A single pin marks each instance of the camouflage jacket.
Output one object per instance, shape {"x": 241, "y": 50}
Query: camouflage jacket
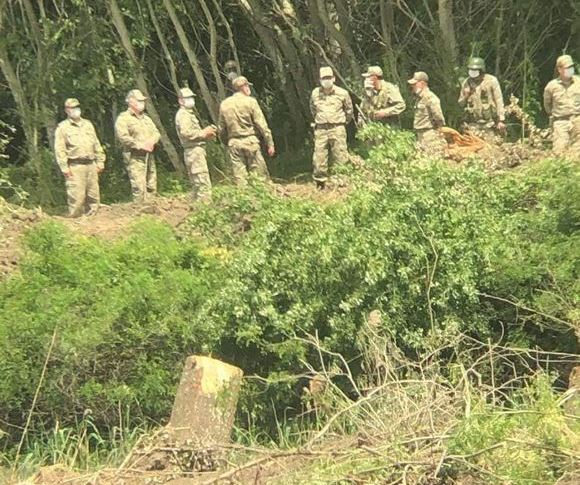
{"x": 387, "y": 98}
{"x": 428, "y": 114}
{"x": 77, "y": 140}
{"x": 560, "y": 100}
{"x": 188, "y": 128}
{"x": 133, "y": 130}
{"x": 334, "y": 107}
{"x": 484, "y": 103}
{"x": 240, "y": 116}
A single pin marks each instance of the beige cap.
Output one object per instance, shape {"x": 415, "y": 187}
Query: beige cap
{"x": 373, "y": 71}
{"x": 186, "y": 93}
{"x": 326, "y": 72}
{"x": 71, "y": 103}
{"x": 137, "y": 94}
{"x": 240, "y": 81}
{"x": 564, "y": 61}
{"x": 419, "y": 76}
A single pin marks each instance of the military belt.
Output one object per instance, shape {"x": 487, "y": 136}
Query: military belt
{"x": 327, "y": 126}
{"x": 81, "y": 161}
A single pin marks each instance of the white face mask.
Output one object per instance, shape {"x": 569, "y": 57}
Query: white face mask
{"x": 327, "y": 83}
{"x": 140, "y": 106}
{"x": 569, "y": 72}
{"x": 417, "y": 90}
{"x": 473, "y": 73}
{"x": 189, "y": 103}
{"x": 75, "y": 114}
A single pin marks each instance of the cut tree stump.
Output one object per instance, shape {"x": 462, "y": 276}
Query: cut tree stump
{"x": 205, "y": 403}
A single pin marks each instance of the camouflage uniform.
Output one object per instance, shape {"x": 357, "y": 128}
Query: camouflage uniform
{"x": 484, "y": 106}
{"x": 387, "y": 98}
{"x": 79, "y": 152}
{"x": 429, "y": 117}
{"x": 132, "y": 131}
{"x": 193, "y": 143}
{"x": 331, "y": 112}
{"x": 562, "y": 103}
{"x": 241, "y": 121}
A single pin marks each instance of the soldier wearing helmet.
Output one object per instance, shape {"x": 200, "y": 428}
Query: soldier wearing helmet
{"x": 562, "y": 103}
{"x": 482, "y": 100}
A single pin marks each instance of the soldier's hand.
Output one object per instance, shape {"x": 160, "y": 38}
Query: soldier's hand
{"x": 467, "y": 92}
{"x": 100, "y": 169}
{"x": 380, "y": 114}
{"x": 148, "y": 146}
{"x": 68, "y": 175}
{"x": 501, "y": 127}
{"x": 271, "y": 151}
{"x": 209, "y": 132}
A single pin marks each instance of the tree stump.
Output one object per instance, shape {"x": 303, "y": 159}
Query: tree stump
{"x": 205, "y": 403}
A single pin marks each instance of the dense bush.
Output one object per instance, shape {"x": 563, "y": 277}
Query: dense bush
{"x": 438, "y": 249}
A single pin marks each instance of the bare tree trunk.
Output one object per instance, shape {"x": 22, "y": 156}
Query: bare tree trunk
{"x": 125, "y": 39}
{"x": 448, "y": 28}
{"x": 231, "y": 40}
{"x": 208, "y": 98}
{"x": 387, "y": 28}
{"x": 498, "y": 36}
{"x": 164, "y": 47}
{"x": 213, "y": 39}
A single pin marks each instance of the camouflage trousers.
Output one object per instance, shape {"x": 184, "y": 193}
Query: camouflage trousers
{"x": 575, "y": 146}
{"x": 431, "y": 142}
{"x": 247, "y": 159}
{"x": 485, "y": 131}
{"x": 142, "y": 174}
{"x": 328, "y": 142}
{"x": 82, "y": 189}
{"x": 562, "y": 135}
{"x": 196, "y": 165}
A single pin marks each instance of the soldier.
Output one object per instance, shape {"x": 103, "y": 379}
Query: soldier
{"x": 193, "y": 138}
{"x": 240, "y": 123}
{"x": 382, "y": 100}
{"x": 232, "y": 71}
{"x": 332, "y": 110}
{"x": 562, "y": 103}
{"x": 80, "y": 158}
{"x": 482, "y": 101}
{"x": 138, "y": 136}
{"x": 428, "y": 116}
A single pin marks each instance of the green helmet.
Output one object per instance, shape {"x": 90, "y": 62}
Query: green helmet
{"x": 476, "y": 63}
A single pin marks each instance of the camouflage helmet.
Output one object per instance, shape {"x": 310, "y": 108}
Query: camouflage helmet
{"x": 476, "y": 63}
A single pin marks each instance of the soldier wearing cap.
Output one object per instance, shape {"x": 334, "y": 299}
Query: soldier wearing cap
{"x": 382, "y": 100}
{"x": 428, "y": 116}
{"x": 562, "y": 103}
{"x": 193, "y": 139}
{"x": 138, "y": 137}
{"x": 332, "y": 110}
{"x": 81, "y": 158}
{"x": 482, "y": 100}
{"x": 241, "y": 125}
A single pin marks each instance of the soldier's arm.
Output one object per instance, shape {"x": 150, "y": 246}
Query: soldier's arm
{"x": 498, "y": 98}
{"x": 436, "y": 113}
{"x": 60, "y": 150}
{"x": 189, "y": 128}
{"x": 98, "y": 148}
{"x": 123, "y": 135}
{"x": 548, "y": 100}
{"x": 396, "y": 102}
{"x": 262, "y": 125}
{"x": 348, "y": 108}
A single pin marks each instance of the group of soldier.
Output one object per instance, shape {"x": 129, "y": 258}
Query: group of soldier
{"x": 242, "y": 127}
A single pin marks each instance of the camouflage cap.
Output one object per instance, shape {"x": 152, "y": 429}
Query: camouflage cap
{"x": 240, "y": 81}
{"x": 137, "y": 94}
{"x": 564, "y": 61}
{"x": 326, "y": 72}
{"x": 373, "y": 71}
{"x": 186, "y": 93}
{"x": 71, "y": 103}
{"x": 419, "y": 76}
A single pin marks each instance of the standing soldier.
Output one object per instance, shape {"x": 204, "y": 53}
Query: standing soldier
{"x": 193, "y": 138}
{"x": 382, "y": 100}
{"x": 332, "y": 110}
{"x": 232, "y": 71}
{"x": 482, "y": 101}
{"x": 138, "y": 136}
{"x": 80, "y": 158}
{"x": 562, "y": 103}
{"x": 241, "y": 121}
{"x": 428, "y": 116}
